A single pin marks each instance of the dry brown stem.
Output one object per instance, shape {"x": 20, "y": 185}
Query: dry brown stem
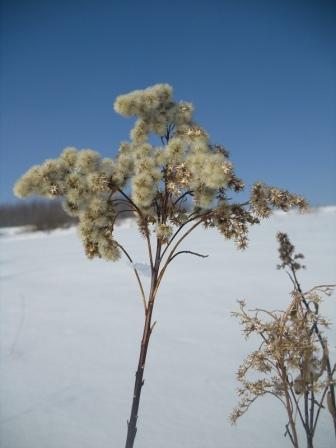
{"x": 292, "y": 362}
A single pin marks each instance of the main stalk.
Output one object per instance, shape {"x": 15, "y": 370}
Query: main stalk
{"x": 147, "y": 331}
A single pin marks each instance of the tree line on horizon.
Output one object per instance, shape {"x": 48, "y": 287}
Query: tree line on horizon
{"x": 38, "y": 215}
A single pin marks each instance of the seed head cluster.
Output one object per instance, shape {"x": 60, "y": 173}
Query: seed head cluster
{"x": 287, "y": 256}
{"x": 289, "y": 358}
{"x": 183, "y": 175}
{"x": 292, "y": 362}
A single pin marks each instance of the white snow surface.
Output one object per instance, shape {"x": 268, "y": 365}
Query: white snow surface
{"x": 71, "y": 329}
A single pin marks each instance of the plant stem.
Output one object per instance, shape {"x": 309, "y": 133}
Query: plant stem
{"x": 328, "y": 365}
{"x": 307, "y": 426}
{"x": 147, "y": 331}
{"x": 293, "y": 434}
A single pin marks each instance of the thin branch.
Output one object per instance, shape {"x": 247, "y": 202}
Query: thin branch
{"x": 290, "y": 435}
{"x": 291, "y": 278}
{"x": 187, "y": 252}
{"x": 289, "y": 403}
{"x": 276, "y": 396}
{"x": 130, "y": 201}
{"x": 297, "y": 405}
{"x": 119, "y": 213}
{"x": 182, "y": 196}
{"x": 172, "y": 252}
{"x": 321, "y": 288}
{"x": 312, "y": 407}
{"x": 152, "y": 326}
{"x": 193, "y": 213}
{"x": 120, "y": 200}
{"x": 149, "y": 248}
{"x": 261, "y": 310}
{"x": 136, "y": 274}
{"x": 321, "y": 400}
{"x": 306, "y": 411}
{"x": 320, "y": 406}
{"x": 181, "y": 227}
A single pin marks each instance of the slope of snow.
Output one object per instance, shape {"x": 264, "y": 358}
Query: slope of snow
{"x": 70, "y": 333}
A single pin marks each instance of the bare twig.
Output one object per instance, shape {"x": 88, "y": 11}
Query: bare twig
{"x": 188, "y": 221}
{"x": 187, "y": 193}
{"x": 187, "y": 252}
{"x": 136, "y": 274}
{"x": 163, "y": 269}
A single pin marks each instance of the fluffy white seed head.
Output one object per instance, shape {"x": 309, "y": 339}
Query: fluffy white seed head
{"x": 69, "y": 155}
{"x": 175, "y": 150}
{"x": 29, "y": 183}
{"x": 141, "y": 102}
{"x": 185, "y": 174}
{"x": 164, "y": 232}
{"x": 88, "y": 161}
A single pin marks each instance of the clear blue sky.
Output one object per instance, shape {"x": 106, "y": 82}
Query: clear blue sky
{"x": 261, "y": 75}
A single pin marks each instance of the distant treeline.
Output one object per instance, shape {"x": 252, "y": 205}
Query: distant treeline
{"x": 40, "y": 215}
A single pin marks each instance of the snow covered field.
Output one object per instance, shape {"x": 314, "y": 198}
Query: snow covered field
{"x": 70, "y": 331}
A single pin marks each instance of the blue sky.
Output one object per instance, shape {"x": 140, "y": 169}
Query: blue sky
{"x": 261, "y": 75}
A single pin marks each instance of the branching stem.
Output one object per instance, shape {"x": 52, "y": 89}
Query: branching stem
{"x": 322, "y": 343}
{"x": 136, "y": 274}
{"x": 187, "y": 252}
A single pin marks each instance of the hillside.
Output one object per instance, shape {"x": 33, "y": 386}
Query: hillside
{"x": 70, "y": 330}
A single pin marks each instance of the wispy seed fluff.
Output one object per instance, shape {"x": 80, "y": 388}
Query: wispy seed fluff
{"x": 84, "y": 181}
{"x": 170, "y": 166}
{"x": 211, "y": 170}
{"x": 145, "y": 182}
{"x": 175, "y": 151}
{"x": 187, "y": 145}
{"x": 143, "y": 102}
{"x": 164, "y": 232}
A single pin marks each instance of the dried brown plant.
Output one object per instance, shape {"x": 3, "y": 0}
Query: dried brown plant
{"x": 292, "y": 363}
{"x": 172, "y": 188}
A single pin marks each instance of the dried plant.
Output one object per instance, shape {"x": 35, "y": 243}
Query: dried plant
{"x": 176, "y": 186}
{"x": 292, "y": 362}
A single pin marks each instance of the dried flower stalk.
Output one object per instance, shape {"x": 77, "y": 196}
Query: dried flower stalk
{"x": 292, "y": 363}
{"x": 176, "y": 186}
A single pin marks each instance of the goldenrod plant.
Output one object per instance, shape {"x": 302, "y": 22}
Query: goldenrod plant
{"x": 292, "y": 362}
{"x": 172, "y": 186}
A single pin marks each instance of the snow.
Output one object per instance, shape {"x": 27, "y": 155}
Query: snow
{"x": 70, "y": 333}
